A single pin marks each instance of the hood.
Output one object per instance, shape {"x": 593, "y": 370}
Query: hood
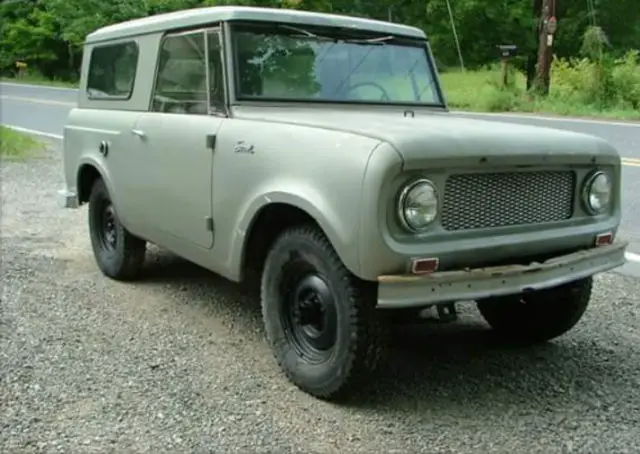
{"x": 444, "y": 138}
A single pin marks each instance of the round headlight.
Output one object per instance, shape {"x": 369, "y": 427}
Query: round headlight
{"x": 418, "y": 205}
{"x": 597, "y": 192}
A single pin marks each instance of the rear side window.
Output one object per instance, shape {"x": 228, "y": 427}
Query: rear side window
{"x": 112, "y": 71}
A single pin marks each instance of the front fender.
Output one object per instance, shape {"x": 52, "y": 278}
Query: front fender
{"x": 341, "y": 231}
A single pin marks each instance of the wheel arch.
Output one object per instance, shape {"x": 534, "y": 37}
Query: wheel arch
{"x": 88, "y": 172}
{"x": 270, "y": 219}
{"x": 86, "y": 176}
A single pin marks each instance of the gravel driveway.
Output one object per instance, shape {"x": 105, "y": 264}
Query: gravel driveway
{"x": 177, "y": 362}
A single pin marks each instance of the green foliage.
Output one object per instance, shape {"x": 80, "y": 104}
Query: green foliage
{"x": 48, "y": 34}
{"x": 481, "y": 26}
{"x": 626, "y": 78}
{"x": 604, "y": 84}
{"x": 596, "y": 52}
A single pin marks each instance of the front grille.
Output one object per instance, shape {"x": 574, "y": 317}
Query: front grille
{"x": 487, "y": 200}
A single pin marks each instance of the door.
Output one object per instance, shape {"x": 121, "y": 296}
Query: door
{"x": 176, "y": 139}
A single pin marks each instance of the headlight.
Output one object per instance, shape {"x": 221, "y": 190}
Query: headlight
{"x": 418, "y": 205}
{"x": 597, "y": 192}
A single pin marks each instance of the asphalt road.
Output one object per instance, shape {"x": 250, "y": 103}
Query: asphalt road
{"x": 178, "y": 363}
{"x": 45, "y": 109}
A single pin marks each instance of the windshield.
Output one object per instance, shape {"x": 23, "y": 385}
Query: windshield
{"x": 289, "y": 63}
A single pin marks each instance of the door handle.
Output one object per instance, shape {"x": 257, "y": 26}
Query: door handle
{"x": 138, "y": 133}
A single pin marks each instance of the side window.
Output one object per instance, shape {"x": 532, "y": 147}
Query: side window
{"x": 112, "y": 71}
{"x": 182, "y": 84}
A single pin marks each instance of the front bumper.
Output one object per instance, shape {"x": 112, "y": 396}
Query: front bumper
{"x": 67, "y": 199}
{"x": 405, "y": 291}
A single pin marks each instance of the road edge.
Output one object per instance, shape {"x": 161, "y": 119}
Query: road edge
{"x": 33, "y": 132}
{"x": 550, "y": 118}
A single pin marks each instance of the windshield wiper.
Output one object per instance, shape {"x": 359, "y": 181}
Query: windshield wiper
{"x": 308, "y": 34}
{"x": 299, "y": 30}
{"x": 380, "y": 40}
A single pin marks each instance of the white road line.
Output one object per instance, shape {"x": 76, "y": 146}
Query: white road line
{"x": 47, "y": 87}
{"x": 34, "y": 132}
{"x": 632, "y": 257}
{"x": 52, "y": 102}
{"x": 551, "y": 119}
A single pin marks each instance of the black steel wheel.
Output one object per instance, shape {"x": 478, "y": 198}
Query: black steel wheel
{"x": 308, "y": 312}
{"x": 107, "y": 232}
{"x": 320, "y": 320}
{"x": 118, "y": 253}
{"x": 540, "y": 316}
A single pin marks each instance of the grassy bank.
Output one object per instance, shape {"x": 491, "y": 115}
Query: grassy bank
{"x": 17, "y": 145}
{"x": 579, "y": 87}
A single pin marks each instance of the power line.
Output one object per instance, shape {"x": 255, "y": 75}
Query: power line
{"x": 455, "y": 35}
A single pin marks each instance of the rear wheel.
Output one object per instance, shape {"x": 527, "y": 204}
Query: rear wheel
{"x": 320, "y": 320}
{"x": 538, "y": 316}
{"x": 119, "y": 254}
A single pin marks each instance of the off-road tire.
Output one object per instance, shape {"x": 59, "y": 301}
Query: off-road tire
{"x": 539, "y": 316}
{"x": 359, "y": 338}
{"x": 124, "y": 258}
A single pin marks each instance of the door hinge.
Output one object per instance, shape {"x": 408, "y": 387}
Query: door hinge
{"x": 209, "y": 223}
{"x": 211, "y": 141}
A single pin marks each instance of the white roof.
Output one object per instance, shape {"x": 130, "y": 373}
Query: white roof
{"x": 201, "y": 16}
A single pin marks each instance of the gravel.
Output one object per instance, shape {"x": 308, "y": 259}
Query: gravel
{"x": 178, "y": 363}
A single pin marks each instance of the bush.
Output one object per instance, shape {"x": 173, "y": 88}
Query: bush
{"x": 626, "y": 79}
{"x": 606, "y": 84}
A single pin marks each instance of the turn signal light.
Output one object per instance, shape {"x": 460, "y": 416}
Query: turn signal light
{"x": 424, "y": 266}
{"x": 604, "y": 239}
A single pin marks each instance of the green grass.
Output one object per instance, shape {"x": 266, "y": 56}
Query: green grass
{"x": 574, "y": 92}
{"x": 474, "y": 90}
{"x": 17, "y": 145}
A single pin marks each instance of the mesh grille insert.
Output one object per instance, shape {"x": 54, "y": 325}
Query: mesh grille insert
{"x": 486, "y": 200}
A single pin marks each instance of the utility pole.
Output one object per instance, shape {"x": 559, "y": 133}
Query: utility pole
{"x": 548, "y": 27}
{"x": 532, "y": 53}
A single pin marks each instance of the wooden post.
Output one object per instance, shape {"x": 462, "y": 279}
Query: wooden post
{"x": 504, "y": 63}
{"x": 506, "y": 51}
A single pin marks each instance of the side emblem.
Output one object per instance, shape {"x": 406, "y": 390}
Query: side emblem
{"x": 242, "y": 147}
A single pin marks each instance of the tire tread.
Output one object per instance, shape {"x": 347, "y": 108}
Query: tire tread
{"x": 132, "y": 256}
{"x": 366, "y": 351}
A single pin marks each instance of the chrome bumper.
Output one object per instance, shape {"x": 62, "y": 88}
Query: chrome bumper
{"x": 67, "y": 199}
{"x": 403, "y": 291}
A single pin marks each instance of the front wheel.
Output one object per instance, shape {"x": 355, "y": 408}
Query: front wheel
{"x": 119, "y": 254}
{"x": 320, "y": 320}
{"x": 538, "y": 316}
